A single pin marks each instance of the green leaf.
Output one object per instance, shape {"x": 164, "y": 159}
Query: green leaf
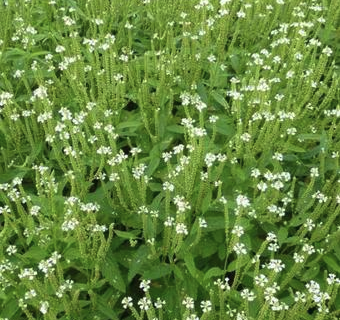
{"x": 140, "y": 258}
{"x": 175, "y": 128}
{"x": 10, "y": 308}
{"x": 155, "y": 186}
{"x": 127, "y": 235}
{"x": 111, "y": 272}
{"x": 178, "y": 272}
{"x": 190, "y": 264}
{"x": 282, "y": 235}
{"x": 35, "y": 254}
{"x": 72, "y": 254}
{"x": 38, "y": 53}
{"x": 154, "y": 163}
{"x": 291, "y": 147}
{"x": 233, "y": 265}
{"x": 225, "y": 126}
{"x": 331, "y": 262}
{"x": 215, "y": 223}
{"x": 157, "y": 271}
{"x": 309, "y": 136}
{"x": 218, "y": 98}
{"x": 103, "y": 307}
{"x": 202, "y": 91}
{"x": 311, "y": 273}
{"x": 206, "y": 201}
{"x": 207, "y": 247}
{"x": 13, "y": 173}
{"x": 129, "y": 124}
{"x": 213, "y": 272}
{"x": 235, "y": 63}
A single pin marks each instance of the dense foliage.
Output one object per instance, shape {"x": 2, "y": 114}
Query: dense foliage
{"x": 169, "y": 159}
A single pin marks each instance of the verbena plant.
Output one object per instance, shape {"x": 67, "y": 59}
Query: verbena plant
{"x": 169, "y": 159}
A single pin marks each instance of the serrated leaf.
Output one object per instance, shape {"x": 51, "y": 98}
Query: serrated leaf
{"x": 10, "y": 308}
{"x": 220, "y": 99}
{"x": 178, "y": 273}
{"x": 291, "y": 147}
{"x": 190, "y": 264}
{"x": 153, "y": 186}
{"x": 331, "y": 262}
{"x": 175, "y": 128}
{"x": 233, "y": 265}
{"x": 206, "y": 201}
{"x": 309, "y": 136}
{"x": 38, "y": 53}
{"x": 282, "y": 235}
{"x": 35, "y": 254}
{"x": 138, "y": 261}
{"x": 311, "y": 273}
{"x": 213, "y": 272}
{"x": 129, "y": 124}
{"x": 13, "y": 173}
{"x": 111, "y": 272}
{"x": 157, "y": 271}
{"x": 153, "y": 164}
{"x": 103, "y": 307}
{"x": 215, "y": 223}
{"x": 127, "y": 235}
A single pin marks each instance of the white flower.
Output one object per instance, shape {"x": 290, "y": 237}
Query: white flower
{"x": 255, "y": 173}
{"x": 248, "y": 295}
{"x": 39, "y": 93}
{"x": 314, "y": 172}
{"x": 309, "y": 224}
{"x": 300, "y": 297}
{"x": 181, "y": 204}
{"x": 327, "y": 51}
{"x": 167, "y": 186}
{"x": 159, "y": 303}
{"x": 240, "y": 14}
{"x": 30, "y": 294}
{"x": 209, "y": 159}
{"x": 242, "y": 201}
{"x": 5, "y": 98}
{"x": 291, "y": 131}
{"x": 331, "y": 279}
{"x": 290, "y": 74}
{"x": 11, "y": 249}
{"x": 261, "y": 280}
{"x": 262, "y": 186}
{"x": 298, "y": 258}
{"x": 277, "y": 156}
{"x": 178, "y": 149}
{"x": 206, "y": 306}
{"x": 238, "y": 230}
{"x": 188, "y": 302}
{"x": 308, "y": 249}
{"x": 44, "y": 307}
{"x": 181, "y": 229}
{"x": 145, "y": 285}
{"x": 166, "y": 156}
{"x": 240, "y": 248}
{"x": 245, "y": 137}
{"x": 276, "y": 265}
{"x": 18, "y": 74}
{"x": 202, "y": 223}
{"x": 211, "y": 58}
{"x": 60, "y": 49}
{"x": 144, "y": 303}
{"x": 213, "y": 119}
{"x": 169, "y": 222}
{"x": 223, "y": 200}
